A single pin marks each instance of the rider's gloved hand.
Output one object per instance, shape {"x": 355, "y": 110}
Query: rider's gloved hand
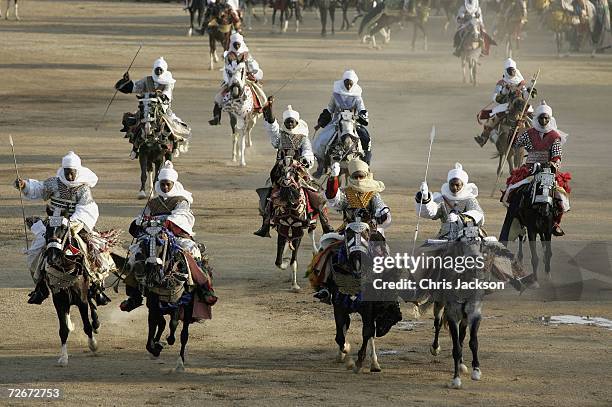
{"x": 335, "y": 169}
{"x": 19, "y": 184}
{"x": 453, "y": 217}
{"x": 423, "y": 193}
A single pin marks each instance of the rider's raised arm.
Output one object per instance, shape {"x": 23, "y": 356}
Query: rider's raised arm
{"x": 254, "y": 69}
{"x": 474, "y": 211}
{"x": 35, "y": 189}
{"x": 556, "y": 151}
{"x": 335, "y": 197}
{"x": 273, "y": 130}
{"x": 522, "y": 140}
{"x": 430, "y": 207}
{"x": 86, "y": 209}
{"x": 307, "y": 154}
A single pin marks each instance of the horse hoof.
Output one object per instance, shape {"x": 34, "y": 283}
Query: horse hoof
{"x": 295, "y": 288}
{"x": 283, "y": 265}
{"x": 93, "y": 344}
{"x": 170, "y": 340}
{"x": 156, "y": 349}
{"x": 340, "y": 357}
{"x": 455, "y": 384}
{"x": 62, "y": 361}
{"x": 463, "y": 369}
{"x": 350, "y": 363}
{"x": 356, "y": 369}
{"x": 142, "y": 195}
{"x": 435, "y": 351}
{"x": 180, "y": 365}
{"x": 375, "y": 368}
{"x": 476, "y": 374}
{"x": 243, "y": 164}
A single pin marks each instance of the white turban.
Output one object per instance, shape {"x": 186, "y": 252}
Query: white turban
{"x": 290, "y": 113}
{"x": 350, "y": 74}
{"x": 552, "y": 123}
{"x": 84, "y": 176}
{"x": 166, "y": 77}
{"x": 509, "y": 63}
{"x": 71, "y": 160}
{"x": 468, "y": 190}
{"x": 168, "y": 173}
{"x": 458, "y": 172}
{"x": 471, "y": 6}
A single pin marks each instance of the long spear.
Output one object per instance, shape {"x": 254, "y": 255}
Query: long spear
{"x": 533, "y": 82}
{"x": 432, "y": 136}
{"x": 116, "y": 90}
{"x": 25, "y": 229}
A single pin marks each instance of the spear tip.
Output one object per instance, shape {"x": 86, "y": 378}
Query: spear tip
{"x": 432, "y": 135}
{"x": 11, "y": 140}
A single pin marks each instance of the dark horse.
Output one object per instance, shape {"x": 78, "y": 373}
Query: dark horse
{"x": 290, "y": 214}
{"x": 350, "y": 268}
{"x": 196, "y": 14}
{"x": 533, "y": 207}
{"x": 162, "y": 271}
{"x": 218, "y": 23}
{"x": 327, "y": 6}
{"x": 154, "y": 138}
{"x": 69, "y": 283}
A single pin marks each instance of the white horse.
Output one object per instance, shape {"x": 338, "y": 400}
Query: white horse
{"x": 239, "y": 102}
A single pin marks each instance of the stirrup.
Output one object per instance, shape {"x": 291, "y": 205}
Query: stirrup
{"x": 557, "y": 231}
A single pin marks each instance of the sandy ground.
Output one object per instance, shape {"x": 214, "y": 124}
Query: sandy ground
{"x": 266, "y": 345}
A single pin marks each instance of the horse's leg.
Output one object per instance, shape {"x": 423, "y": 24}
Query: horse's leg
{"x": 332, "y": 15}
{"x": 374, "y": 366}
{"x": 453, "y": 327}
{"x": 62, "y": 308}
{"x": 187, "y": 316}
{"x": 153, "y": 346}
{"x": 95, "y": 321}
{"x": 233, "y": 121}
{"x": 343, "y": 319}
{"x": 281, "y": 246}
{"x": 313, "y": 239}
{"x": 251, "y": 121}
{"x": 294, "y": 265}
{"x": 87, "y": 328}
{"x": 161, "y": 326}
{"x": 142, "y": 159}
{"x": 547, "y": 251}
{"x": 474, "y": 322}
{"x": 191, "y": 17}
{"x": 414, "y": 36}
{"x": 532, "y": 236}
{"x": 174, "y": 321}
{"x": 425, "y": 46}
{"x": 435, "y": 346}
{"x": 243, "y": 136}
{"x": 323, "y": 15}
{"x": 463, "y": 63}
{"x": 212, "y": 49}
{"x": 367, "y": 332}
{"x": 462, "y": 332}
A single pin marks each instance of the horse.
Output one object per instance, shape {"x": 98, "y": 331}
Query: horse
{"x": 350, "y": 268}
{"x": 290, "y": 216}
{"x": 152, "y": 135}
{"x": 419, "y": 20}
{"x": 382, "y": 26}
{"x": 470, "y": 50}
{"x": 461, "y": 308}
{"x": 344, "y": 145}
{"x": 450, "y": 8}
{"x": 510, "y": 24}
{"x": 166, "y": 275}
{"x": 327, "y": 6}
{"x": 565, "y": 24}
{"x": 533, "y": 206}
{"x": 70, "y": 283}
{"x": 196, "y": 13}
{"x": 218, "y": 24}
{"x": 8, "y": 8}
{"x": 506, "y": 128}
{"x": 239, "y": 103}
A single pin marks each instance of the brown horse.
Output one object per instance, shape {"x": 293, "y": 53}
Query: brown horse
{"x": 504, "y": 131}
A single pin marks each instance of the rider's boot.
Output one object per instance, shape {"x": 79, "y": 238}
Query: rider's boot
{"x": 99, "y": 296}
{"x": 40, "y": 293}
{"x": 216, "y": 120}
{"x": 557, "y": 231}
{"x": 134, "y": 153}
{"x": 368, "y": 156}
{"x": 133, "y": 301}
{"x": 325, "y": 222}
{"x": 483, "y": 138}
{"x": 264, "y": 230}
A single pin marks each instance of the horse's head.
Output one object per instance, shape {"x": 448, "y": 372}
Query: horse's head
{"x": 57, "y": 236}
{"x": 346, "y": 143}
{"x": 289, "y": 183}
{"x": 236, "y": 75}
{"x": 357, "y": 240}
{"x": 515, "y": 108}
{"x": 472, "y": 34}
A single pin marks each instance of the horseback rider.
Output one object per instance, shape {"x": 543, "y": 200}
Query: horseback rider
{"x": 346, "y": 96}
{"x": 239, "y": 52}
{"x": 511, "y": 85}
{"x": 455, "y": 205}
{"x": 290, "y": 139}
{"x": 172, "y": 205}
{"x": 221, "y": 13}
{"x": 361, "y": 193}
{"x": 468, "y": 12}
{"x": 67, "y": 193}
{"x": 161, "y": 83}
{"x": 544, "y": 145}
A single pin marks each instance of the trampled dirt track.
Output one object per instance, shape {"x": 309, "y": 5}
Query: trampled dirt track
{"x": 266, "y": 345}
